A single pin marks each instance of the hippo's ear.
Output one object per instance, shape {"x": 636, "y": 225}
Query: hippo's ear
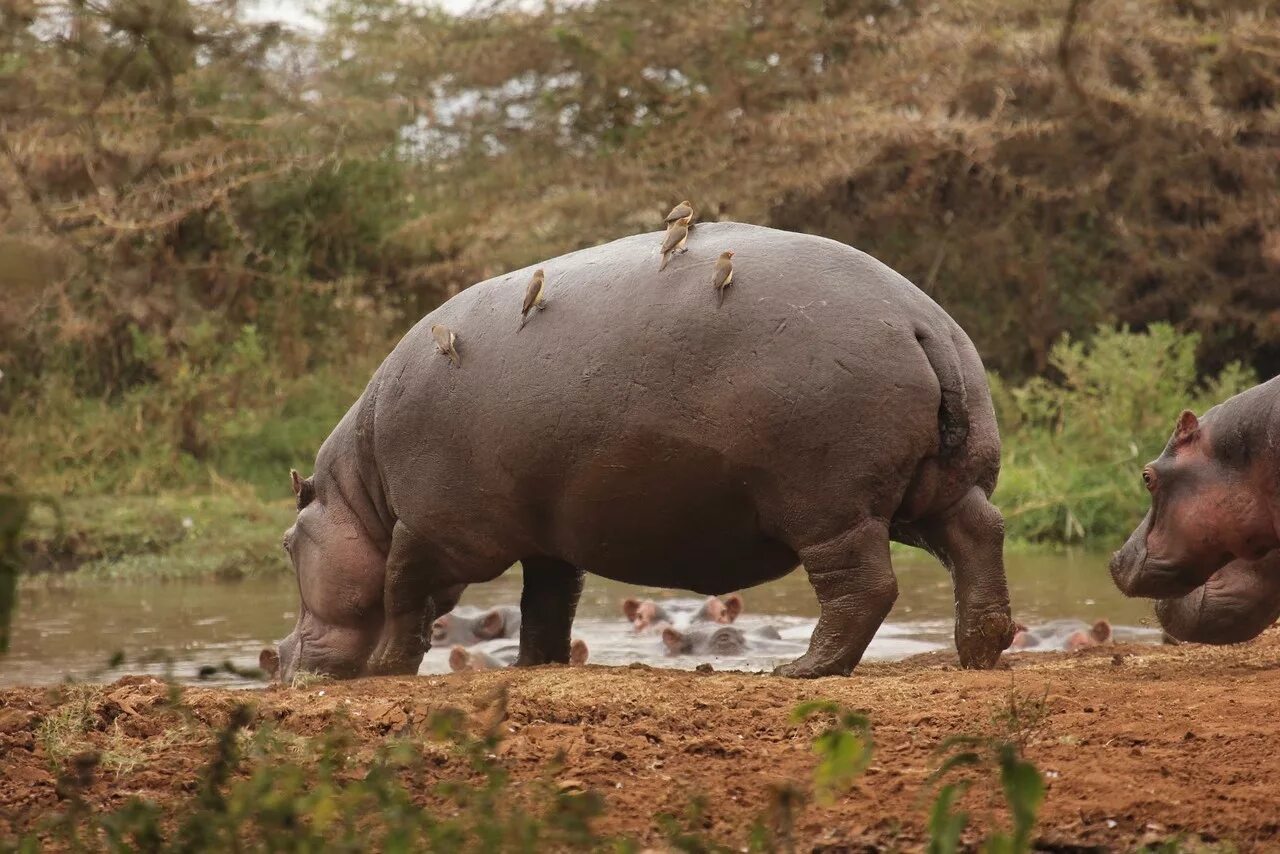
{"x": 296, "y": 480}
{"x": 269, "y": 662}
{"x": 732, "y": 607}
{"x": 491, "y": 625}
{"x": 630, "y": 608}
{"x": 1101, "y": 631}
{"x": 1187, "y": 429}
{"x": 672, "y": 640}
{"x": 578, "y": 651}
{"x": 303, "y": 488}
{"x": 459, "y": 659}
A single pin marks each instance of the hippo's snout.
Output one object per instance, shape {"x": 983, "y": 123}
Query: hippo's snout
{"x": 1125, "y": 568}
{"x": 1136, "y": 573}
{"x": 280, "y": 663}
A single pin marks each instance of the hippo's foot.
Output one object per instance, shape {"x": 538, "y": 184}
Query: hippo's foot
{"x": 393, "y": 666}
{"x": 980, "y": 641}
{"x": 810, "y": 666}
{"x": 392, "y": 658}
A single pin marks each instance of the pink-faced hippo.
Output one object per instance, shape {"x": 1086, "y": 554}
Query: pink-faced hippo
{"x": 647, "y": 614}
{"x": 1207, "y": 549}
{"x": 637, "y": 430}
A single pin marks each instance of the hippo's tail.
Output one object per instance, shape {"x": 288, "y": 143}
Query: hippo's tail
{"x": 953, "y": 411}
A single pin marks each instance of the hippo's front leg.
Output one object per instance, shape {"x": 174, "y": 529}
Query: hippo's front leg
{"x": 547, "y": 606}
{"x": 410, "y": 580}
{"x": 856, "y": 589}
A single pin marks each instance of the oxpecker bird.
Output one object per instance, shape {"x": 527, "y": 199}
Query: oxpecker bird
{"x": 533, "y": 296}
{"x": 446, "y": 342}
{"x": 677, "y": 236}
{"x": 681, "y": 213}
{"x": 723, "y": 276}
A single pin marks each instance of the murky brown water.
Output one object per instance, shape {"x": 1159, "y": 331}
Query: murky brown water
{"x": 179, "y": 626}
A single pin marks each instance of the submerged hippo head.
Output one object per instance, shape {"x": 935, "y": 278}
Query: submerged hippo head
{"x": 339, "y": 572}
{"x": 644, "y": 614}
{"x": 1096, "y": 635}
{"x": 1210, "y": 504}
{"x": 717, "y": 610}
{"x": 723, "y": 640}
{"x": 463, "y": 630}
{"x": 647, "y": 614}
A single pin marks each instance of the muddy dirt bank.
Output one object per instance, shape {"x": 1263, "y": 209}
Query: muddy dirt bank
{"x": 1138, "y": 744}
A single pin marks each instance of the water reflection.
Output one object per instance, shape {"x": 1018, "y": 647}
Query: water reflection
{"x": 72, "y": 631}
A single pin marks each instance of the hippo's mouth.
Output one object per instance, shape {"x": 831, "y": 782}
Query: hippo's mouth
{"x": 1148, "y": 577}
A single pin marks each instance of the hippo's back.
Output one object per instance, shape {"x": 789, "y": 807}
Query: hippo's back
{"x": 635, "y": 419}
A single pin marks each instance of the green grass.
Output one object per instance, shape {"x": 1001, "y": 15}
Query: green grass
{"x": 231, "y": 534}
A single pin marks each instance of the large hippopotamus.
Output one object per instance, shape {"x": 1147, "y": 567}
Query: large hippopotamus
{"x": 639, "y": 430}
{"x": 1208, "y": 547}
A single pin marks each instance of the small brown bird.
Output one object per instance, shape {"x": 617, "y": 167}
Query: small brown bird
{"x": 677, "y": 236}
{"x": 723, "y": 276}
{"x": 681, "y": 213}
{"x": 533, "y": 296}
{"x": 446, "y": 342}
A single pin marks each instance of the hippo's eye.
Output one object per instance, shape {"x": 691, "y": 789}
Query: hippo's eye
{"x": 1149, "y": 479}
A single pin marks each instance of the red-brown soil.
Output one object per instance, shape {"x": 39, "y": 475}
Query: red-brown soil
{"x": 1138, "y": 743}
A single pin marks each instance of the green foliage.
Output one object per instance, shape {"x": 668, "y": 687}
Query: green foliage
{"x": 843, "y": 748}
{"x": 265, "y": 788}
{"x": 203, "y": 217}
{"x": 268, "y": 790}
{"x": 1074, "y": 445}
{"x": 226, "y": 418}
{"x": 946, "y": 823}
{"x": 227, "y": 534}
{"x": 1020, "y": 781}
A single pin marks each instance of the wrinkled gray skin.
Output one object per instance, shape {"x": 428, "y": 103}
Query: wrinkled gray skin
{"x": 636, "y": 430}
{"x": 1207, "y": 547}
{"x": 471, "y": 629}
{"x": 714, "y": 640}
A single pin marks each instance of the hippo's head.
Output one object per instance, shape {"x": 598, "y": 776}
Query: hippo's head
{"x": 645, "y": 614}
{"x": 722, "y": 640}
{"x": 717, "y": 610}
{"x": 1209, "y": 506}
{"x": 450, "y": 629}
{"x": 340, "y": 573}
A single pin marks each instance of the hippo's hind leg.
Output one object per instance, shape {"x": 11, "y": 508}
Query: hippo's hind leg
{"x": 547, "y": 605}
{"x": 856, "y": 589}
{"x": 969, "y": 540}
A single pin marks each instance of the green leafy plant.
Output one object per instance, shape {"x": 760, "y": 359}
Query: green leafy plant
{"x": 843, "y": 748}
{"x": 1020, "y": 781}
